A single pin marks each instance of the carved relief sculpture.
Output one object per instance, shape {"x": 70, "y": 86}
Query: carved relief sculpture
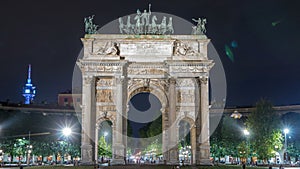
{"x": 112, "y": 49}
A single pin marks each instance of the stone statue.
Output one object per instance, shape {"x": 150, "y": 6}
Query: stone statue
{"x": 163, "y": 26}
{"x": 90, "y": 28}
{"x": 110, "y": 48}
{"x": 199, "y": 29}
{"x": 113, "y": 50}
{"x": 128, "y": 27}
{"x": 170, "y": 28}
{"x": 121, "y": 25}
{"x": 203, "y": 25}
{"x": 153, "y": 27}
{"x": 138, "y": 22}
{"x": 146, "y": 17}
{"x": 181, "y": 49}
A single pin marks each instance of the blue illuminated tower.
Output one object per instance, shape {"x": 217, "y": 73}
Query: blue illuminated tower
{"x": 28, "y": 89}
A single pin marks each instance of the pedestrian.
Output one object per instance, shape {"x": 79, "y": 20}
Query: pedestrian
{"x": 244, "y": 166}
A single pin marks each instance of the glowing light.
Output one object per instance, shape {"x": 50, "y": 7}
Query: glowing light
{"x": 105, "y": 134}
{"x": 236, "y": 115}
{"x": 246, "y": 132}
{"x": 286, "y": 130}
{"x": 29, "y": 89}
{"x": 67, "y": 131}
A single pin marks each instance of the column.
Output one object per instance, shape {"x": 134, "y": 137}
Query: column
{"x": 96, "y": 141}
{"x": 165, "y": 127}
{"x": 173, "y": 148}
{"x": 203, "y": 141}
{"x": 86, "y": 146}
{"x": 118, "y": 145}
{"x": 193, "y": 144}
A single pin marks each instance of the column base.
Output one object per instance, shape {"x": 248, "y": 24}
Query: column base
{"x": 173, "y": 156}
{"x": 117, "y": 162}
{"x": 86, "y": 154}
{"x": 118, "y": 154}
{"x": 202, "y": 155}
{"x": 205, "y": 162}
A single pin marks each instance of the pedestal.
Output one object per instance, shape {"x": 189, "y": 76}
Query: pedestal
{"x": 118, "y": 155}
{"x": 86, "y": 154}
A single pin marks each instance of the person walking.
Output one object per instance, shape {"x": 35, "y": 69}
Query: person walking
{"x": 243, "y": 165}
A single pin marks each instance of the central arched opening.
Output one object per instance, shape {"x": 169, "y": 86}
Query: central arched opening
{"x": 144, "y": 129}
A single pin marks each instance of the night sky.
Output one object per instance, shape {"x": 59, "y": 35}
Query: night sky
{"x": 46, "y": 34}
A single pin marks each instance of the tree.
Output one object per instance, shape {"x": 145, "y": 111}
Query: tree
{"x": 243, "y": 150}
{"x": 151, "y": 130}
{"x": 104, "y": 149}
{"x": 265, "y": 134}
{"x": 19, "y": 149}
{"x": 7, "y": 146}
{"x": 227, "y": 137}
{"x": 41, "y": 148}
{"x": 154, "y": 147}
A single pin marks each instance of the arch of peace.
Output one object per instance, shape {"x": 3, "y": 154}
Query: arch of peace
{"x": 174, "y": 68}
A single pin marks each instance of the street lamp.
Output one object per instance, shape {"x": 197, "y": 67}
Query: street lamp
{"x": 66, "y": 132}
{"x": 286, "y": 131}
{"x": 105, "y": 134}
{"x": 29, "y": 151}
{"x": 246, "y": 133}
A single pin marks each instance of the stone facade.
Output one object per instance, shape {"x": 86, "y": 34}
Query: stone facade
{"x": 175, "y": 68}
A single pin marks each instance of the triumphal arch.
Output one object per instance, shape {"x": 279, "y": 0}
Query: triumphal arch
{"x": 174, "y": 68}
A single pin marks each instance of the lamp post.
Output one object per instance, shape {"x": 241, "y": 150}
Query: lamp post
{"x": 246, "y": 133}
{"x": 66, "y": 132}
{"x": 105, "y": 134}
{"x": 29, "y": 150}
{"x": 286, "y": 131}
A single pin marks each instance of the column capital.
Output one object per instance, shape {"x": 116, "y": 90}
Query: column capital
{"x": 203, "y": 79}
{"x": 172, "y": 80}
{"x": 163, "y": 110}
{"x": 120, "y": 80}
{"x": 87, "y": 80}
